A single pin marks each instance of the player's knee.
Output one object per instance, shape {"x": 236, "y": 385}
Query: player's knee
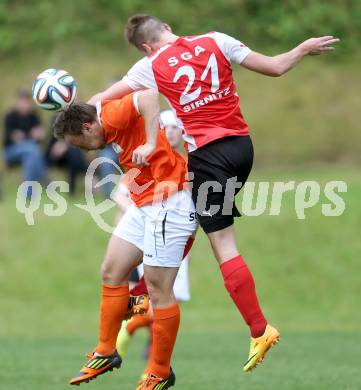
{"x": 155, "y": 291}
{"x": 223, "y": 254}
{"x": 160, "y": 294}
{"x": 107, "y": 273}
{"x": 111, "y": 274}
{"x": 153, "y": 288}
{"x": 223, "y": 244}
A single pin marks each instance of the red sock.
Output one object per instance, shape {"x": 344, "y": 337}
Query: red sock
{"x": 188, "y": 246}
{"x": 141, "y": 288}
{"x": 240, "y": 285}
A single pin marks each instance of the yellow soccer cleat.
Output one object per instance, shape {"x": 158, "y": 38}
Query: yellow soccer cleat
{"x": 260, "y": 346}
{"x": 123, "y": 340}
{"x": 143, "y": 377}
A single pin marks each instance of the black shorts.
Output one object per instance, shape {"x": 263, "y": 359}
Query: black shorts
{"x": 220, "y": 169}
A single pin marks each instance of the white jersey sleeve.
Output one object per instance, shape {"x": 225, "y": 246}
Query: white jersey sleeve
{"x": 234, "y": 50}
{"x": 141, "y": 76}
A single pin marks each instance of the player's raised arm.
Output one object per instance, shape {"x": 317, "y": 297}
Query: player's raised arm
{"x": 148, "y": 107}
{"x": 115, "y": 91}
{"x": 280, "y": 64}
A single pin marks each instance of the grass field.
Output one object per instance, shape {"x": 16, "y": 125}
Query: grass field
{"x": 307, "y": 272}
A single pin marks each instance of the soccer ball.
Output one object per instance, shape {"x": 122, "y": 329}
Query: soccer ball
{"x": 54, "y": 89}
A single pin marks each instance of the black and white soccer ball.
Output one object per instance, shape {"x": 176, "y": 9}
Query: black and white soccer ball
{"x": 54, "y": 89}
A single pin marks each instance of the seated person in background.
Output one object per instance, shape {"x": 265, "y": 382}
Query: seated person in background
{"x": 22, "y": 135}
{"x": 61, "y": 154}
{"x": 105, "y": 168}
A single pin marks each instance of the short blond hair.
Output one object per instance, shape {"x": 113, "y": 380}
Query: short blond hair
{"x": 143, "y": 28}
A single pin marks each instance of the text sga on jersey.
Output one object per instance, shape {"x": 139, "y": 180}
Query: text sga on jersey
{"x": 173, "y": 61}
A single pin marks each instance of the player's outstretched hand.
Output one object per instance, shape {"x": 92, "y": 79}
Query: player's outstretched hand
{"x": 141, "y": 153}
{"x": 315, "y": 46}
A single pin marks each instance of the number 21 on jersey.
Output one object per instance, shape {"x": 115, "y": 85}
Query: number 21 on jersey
{"x": 188, "y": 71}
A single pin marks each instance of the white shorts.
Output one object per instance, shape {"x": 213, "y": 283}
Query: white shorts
{"x": 160, "y": 230}
{"x": 181, "y": 285}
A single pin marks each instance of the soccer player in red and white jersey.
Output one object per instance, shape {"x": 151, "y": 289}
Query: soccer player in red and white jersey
{"x": 195, "y": 74}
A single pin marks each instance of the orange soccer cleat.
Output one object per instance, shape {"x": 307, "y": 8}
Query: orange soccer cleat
{"x": 96, "y": 365}
{"x": 138, "y": 304}
{"x": 152, "y": 382}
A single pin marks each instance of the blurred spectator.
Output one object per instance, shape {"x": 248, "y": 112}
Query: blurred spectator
{"x": 1, "y": 180}
{"x": 63, "y": 155}
{"x": 23, "y": 133}
{"x": 108, "y": 152}
{"x": 106, "y": 168}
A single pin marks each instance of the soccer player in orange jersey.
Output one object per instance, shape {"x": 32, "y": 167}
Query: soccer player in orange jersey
{"x": 154, "y": 229}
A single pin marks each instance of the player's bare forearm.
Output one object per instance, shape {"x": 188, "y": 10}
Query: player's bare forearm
{"x": 148, "y": 104}
{"x": 149, "y": 108}
{"x": 280, "y": 64}
{"x": 115, "y": 91}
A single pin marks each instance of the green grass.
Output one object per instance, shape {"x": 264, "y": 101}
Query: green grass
{"x": 207, "y": 360}
{"x": 307, "y": 273}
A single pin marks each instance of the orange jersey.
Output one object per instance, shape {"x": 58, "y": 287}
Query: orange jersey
{"x": 124, "y": 128}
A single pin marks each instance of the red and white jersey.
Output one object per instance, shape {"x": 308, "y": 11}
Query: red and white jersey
{"x": 195, "y": 75}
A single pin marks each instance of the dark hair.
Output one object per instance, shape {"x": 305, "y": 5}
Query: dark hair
{"x": 71, "y": 119}
{"x": 143, "y": 28}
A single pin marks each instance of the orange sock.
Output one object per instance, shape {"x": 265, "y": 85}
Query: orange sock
{"x": 139, "y": 321}
{"x": 165, "y": 329}
{"x": 114, "y": 304}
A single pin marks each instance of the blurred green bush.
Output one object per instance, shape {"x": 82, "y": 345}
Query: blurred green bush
{"x": 266, "y": 23}
{"x": 308, "y": 116}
